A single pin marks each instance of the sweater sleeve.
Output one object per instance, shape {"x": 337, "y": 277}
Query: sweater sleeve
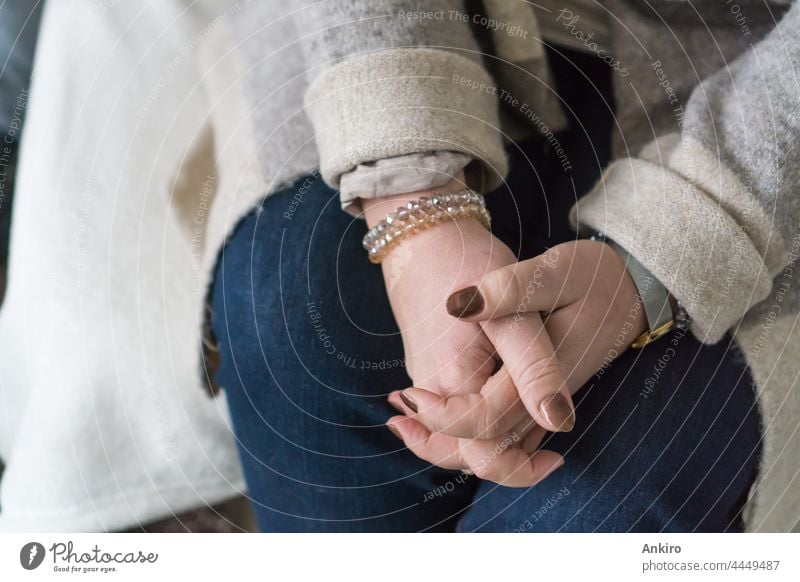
{"x": 713, "y": 211}
{"x": 389, "y": 78}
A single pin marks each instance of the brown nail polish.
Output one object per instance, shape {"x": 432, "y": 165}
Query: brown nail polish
{"x": 395, "y": 432}
{"x": 557, "y": 411}
{"x": 408, "y": 402}
{"x": 466, "y": 302}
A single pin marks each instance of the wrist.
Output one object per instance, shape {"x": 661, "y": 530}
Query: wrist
{"x": 450, "y": 242}
{"x": 654, "y": 304}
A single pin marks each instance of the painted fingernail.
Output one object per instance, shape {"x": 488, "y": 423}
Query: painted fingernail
{"x": 394, "y": 430}
{"x": 557, "y": 411}
{"x": 408, "y": 402}
{"x": 466, "y": 302}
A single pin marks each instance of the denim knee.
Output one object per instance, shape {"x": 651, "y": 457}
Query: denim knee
{"x": 667, "y": 439}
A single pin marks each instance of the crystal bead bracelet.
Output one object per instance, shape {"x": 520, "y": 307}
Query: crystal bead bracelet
{"x": 420, "y": 214}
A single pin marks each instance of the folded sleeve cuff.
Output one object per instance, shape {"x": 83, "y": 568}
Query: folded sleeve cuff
{"x": 713, "y": 264}
{"x": 399, "y": 175}
{"x": 394, "y": 102}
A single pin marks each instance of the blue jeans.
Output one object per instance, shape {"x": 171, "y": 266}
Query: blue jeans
{"x": 667, "y": 438}
{"x": 19, "y": 27}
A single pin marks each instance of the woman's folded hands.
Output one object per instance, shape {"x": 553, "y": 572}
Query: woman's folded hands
{"x": 496, "y": 347}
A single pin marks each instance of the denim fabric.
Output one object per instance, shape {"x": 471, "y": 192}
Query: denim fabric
{"x": 19, "y": 26}
{"x": 667, "y": 438}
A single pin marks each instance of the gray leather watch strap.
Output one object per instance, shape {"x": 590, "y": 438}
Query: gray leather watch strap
{"x": 655, "y": 297}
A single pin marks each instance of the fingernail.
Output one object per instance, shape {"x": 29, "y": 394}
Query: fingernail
{"x": 466, "y": 302}
{"x": 395, "y": 432}
{"x": 408, "y": 402}
{"x": 557, "y": 411}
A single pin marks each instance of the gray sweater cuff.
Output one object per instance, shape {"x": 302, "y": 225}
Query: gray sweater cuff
{"x": 693, "y": 224}
{"x": 395, "y": 102}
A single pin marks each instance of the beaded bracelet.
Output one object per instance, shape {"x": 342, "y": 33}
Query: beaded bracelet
{"x": 421, "y": 214}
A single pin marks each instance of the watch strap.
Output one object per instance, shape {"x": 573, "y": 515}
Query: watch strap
{"x": 654, "y": 296}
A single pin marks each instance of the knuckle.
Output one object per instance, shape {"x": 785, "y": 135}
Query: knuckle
{"x": 564, "y": 260}
{"x": 487, "y": 424}
{"x": 438, "y": 422}
{"x": 446, "y": 415}
{"x": 463, "y": 416}
{"x": 538, "y": 371}
{"x": 556, "y": 254}
{"x": 451, "y": 377}
{"x": 483, "y": 469}
{"x": 423, "y": 452}
{"x": 422, "y": 449}
{"x": 424, "y": 455}
{"x": 503, "y": 286}
{"x": 524, "y": 287}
